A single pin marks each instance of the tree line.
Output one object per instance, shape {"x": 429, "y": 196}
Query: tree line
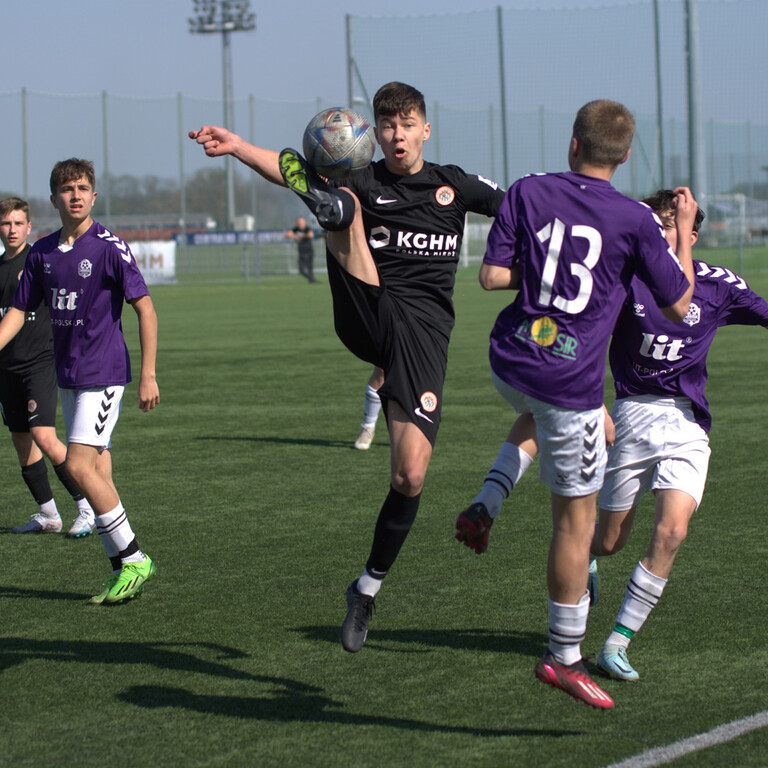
{"x": 205, "y": 195}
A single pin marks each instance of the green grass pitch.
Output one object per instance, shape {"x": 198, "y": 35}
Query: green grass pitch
{"x": 244, "y": 488}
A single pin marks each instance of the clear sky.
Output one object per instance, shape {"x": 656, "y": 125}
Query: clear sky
{"x": 142, "y": 54}
{"x": 144, "y": 47}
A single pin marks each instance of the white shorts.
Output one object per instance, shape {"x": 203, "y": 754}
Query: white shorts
{"x": 571, "y": 443}
{"x": 659, "y": 446}
{"x": 90, "y": 415}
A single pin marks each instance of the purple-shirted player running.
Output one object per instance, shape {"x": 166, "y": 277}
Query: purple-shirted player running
{"x": 661, "y": 416}
{"x": 572, "y": 245}
{"x": 83, "y": 273}
{"x": 660, "y": 419}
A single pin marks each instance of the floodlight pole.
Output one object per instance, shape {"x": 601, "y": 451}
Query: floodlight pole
{"x": 659, "y": 104}
{"x": 229, "y": 120}
{"x": 503, "y": 97}
{"x": 224, "y": 17}
{"x": 698, "y": 182}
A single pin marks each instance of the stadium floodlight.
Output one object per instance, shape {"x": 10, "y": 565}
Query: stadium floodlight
{"x": 224, "y": 17}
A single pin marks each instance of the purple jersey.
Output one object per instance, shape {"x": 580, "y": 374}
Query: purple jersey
{"x": 577, "y": 243}
{"x": 84, "y": 287}
{"x": 651, "y": 355}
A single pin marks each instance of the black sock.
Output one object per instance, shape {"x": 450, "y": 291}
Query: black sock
{"x": 66, "y": 480}
{"x": 395, "y": 520}
{"x": 338, "y": 217}
{"x": 131, "y": 549}
{"x": 36, "y": 477}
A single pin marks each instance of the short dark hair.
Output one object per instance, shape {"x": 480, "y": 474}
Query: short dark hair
{"x": 11, "y": 204}
{"x": 398, "y": 99}
{"x": 71, "y": 170}
{"x": 663, "y": 200}
{"x": 604, "y": 130}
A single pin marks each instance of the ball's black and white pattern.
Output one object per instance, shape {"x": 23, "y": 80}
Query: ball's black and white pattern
{"x": 338, "y": 142}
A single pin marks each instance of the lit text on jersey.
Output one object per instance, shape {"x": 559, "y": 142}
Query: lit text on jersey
{"x": 661, "y": 347}
{"x": 61, "y": 299}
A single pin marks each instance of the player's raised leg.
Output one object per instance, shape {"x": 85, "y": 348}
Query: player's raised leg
{"x": 333, "y": 208}
{"x": 338, "y": 211}
{"x": 473, "y": 525}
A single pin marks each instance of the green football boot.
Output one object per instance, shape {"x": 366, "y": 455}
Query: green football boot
{"x": 108, "y": 584}
{"x": 130, "y": 581}
{"x": 334, "y": 209}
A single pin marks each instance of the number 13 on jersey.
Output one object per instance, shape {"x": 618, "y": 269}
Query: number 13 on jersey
{"x": 556, "y": 232}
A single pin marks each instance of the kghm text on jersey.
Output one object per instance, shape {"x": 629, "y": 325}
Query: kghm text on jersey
{"x": 419, "y": 243}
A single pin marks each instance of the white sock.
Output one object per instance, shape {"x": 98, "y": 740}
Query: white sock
{"x": 115, "y": 534}
{"x": 115, "y": 528}
{"x": 372, "y": 407}
{"x": 567, "y": 629}
{"x": 84, "y": 506}
{"x": 49, "y": 509}
{"x": 642, "y": 595}
{"x": 510, "y": 465}
{"x": 368, "y": 585}
{"x": 137, "y": 557}
{"x": 616, "y": 638}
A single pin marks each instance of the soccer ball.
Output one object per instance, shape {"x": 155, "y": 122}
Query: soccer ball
{"x": 338, "y": 143}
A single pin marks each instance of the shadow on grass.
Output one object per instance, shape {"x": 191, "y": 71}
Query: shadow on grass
{"x": 42, "y": 594}
{"x": 287, "y": 701}
{"x": 523, "y": 643}
{"x": 294, "y": 705}
{"x": 348, "y": 444}
{"x": 166, "y": 656}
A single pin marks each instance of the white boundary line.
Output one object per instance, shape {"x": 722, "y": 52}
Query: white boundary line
{"x": 719, "y": 735}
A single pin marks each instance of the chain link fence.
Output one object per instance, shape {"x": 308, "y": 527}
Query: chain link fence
{"x": 533, "y": 67}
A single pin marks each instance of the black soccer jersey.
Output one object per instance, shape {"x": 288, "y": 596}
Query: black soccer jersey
{"x": 414, "y": 225}
{"x": 33, "y": 344}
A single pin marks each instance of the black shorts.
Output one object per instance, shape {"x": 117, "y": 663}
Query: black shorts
{"x": 29, "y": 399}
{"x": 377, "y": 328}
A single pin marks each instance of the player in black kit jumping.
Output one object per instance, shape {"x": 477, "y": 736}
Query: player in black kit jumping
{"x": 394, "y": 240}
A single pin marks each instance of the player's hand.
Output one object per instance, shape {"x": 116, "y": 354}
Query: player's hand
{"x": 216, "y": 141}
{"x": 149, "y": 393}
{"x": 685, "y": 208}
{"x": 610, "y": 428}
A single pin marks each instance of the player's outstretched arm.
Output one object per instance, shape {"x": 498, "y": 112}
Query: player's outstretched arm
{"x": 217, "y": 142}
{"x": 12, "y": 323}
{"x": 149, "y": 393}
